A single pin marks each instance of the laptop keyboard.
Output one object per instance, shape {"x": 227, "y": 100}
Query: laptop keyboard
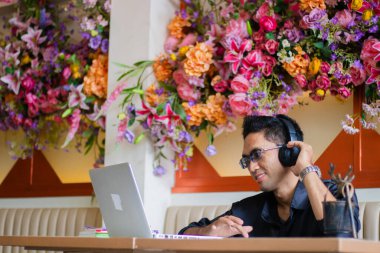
{"x": 173, "y": 236}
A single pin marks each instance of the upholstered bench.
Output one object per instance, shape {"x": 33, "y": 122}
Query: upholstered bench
{"x": 46, "y": 222}
{"x": 178, "y": 217}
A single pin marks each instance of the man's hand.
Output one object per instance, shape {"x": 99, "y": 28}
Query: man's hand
{"x": 305, "y": 158}
{"x": 225, "y": 226}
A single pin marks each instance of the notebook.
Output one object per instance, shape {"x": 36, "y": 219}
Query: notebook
{"x": 121, "y": 205}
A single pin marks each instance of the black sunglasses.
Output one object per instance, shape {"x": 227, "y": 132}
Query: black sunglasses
{"x": 255, "y": 155}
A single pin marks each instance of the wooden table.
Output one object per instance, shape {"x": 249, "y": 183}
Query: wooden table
{"x": 258, "y": 245}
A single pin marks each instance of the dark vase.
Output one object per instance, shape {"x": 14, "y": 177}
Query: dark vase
{"x": 337, "y": 219}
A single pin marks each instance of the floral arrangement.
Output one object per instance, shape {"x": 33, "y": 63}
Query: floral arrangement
{"x": 51, "y": 87}
{"x": 228, "y": 59}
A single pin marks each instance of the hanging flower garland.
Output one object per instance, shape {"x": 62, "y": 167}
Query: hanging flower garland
{"x": 50, "y": 89}
{"x": 228, "y": 59}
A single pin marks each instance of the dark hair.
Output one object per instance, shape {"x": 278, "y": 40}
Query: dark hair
{"x": 273, "y": 128}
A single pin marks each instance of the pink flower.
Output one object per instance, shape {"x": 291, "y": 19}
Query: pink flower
{"x": 344, "y": 80}
{"x": 285, "y": 103}
{"x": 271, "y": 46}
{"x": 180, "y": 77}
{"x": 190, "y": 39}
{"x": 33, "y": 39}
{"x": 312, "y": 85}
{"x": 345, "y": 17}
{"x": 325, "y": 67}
{"x": 237, "y": 28}
{"x": 93, "y": 116}
{"x": 358, "y": 75}
{"x": 187, "y": 92}
{"x": 240, "y": 104}
{"x": 12, "y": 81}
{"x": 301, "y": 81}
{"x": 374, "y": 76}
{"x": 48, "y": 104}
{"x": 171, "y": 44}
{"x": 227, "y": 11}
{"x": 323, "y": 81}
{"x": 235, "y": 51}
{"x": 28, "y": 83}
{"x": 254, "y": 59}
{"x": 73, "y": 120}
{"x": 66, "y": 73}
{"x": 269, "y": 63}
{"x": 262, "y": 12}
{"x": 220, "y": 86}
{"x": 76, "y": 97}
{"x": 344, "y": 92}
{"x": 369, "y": 53}
{"x": 268, "y": 24}
{"x": 32, "y": 102}
{"x": 315, "y": 97}
{"x": 239, "y": 84}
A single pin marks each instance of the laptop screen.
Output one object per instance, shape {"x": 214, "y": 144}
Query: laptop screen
{"x": 120, "y": 201}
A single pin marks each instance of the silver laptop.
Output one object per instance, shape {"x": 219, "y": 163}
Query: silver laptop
{"x": 121, "y": 205}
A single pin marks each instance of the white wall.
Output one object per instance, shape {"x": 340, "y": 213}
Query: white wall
{"x": 137, "y": 33}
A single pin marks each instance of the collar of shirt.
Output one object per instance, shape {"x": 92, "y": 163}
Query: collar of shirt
{"x": 300, "y": 201}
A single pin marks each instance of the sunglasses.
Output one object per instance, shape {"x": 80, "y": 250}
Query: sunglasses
{"x": 254, "y": 156}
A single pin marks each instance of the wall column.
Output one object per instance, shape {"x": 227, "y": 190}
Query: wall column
{"x": 137, "y": 32}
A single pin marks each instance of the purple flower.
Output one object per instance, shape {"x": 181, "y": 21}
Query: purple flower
{"x": 373, "y": 29}
{"x": 159, "y": 171}
{"x": 85, "y": 35}
{"x": 129, "y": 136}
{"x": 211, "y": 150}
{"x": 185, "y": 137}
{"x": 95, "y": 42}
{"x": 104, "y": 46}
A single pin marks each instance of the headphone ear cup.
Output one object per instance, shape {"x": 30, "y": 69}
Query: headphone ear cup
{"x": 288, "y": 156}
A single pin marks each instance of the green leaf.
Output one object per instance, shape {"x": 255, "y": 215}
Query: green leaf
{"x": 160, "y": 108}
{"x": 210, "y": 138}
{"x": 249, "y": 28}
{"x": 142, "y": 63}
{"x": 269, "y": 36}
{"x": 167, "y": 87}
{"x": 125, "y": 74}
{"x": 139, "y": 138}
{"x": 9, "y": 70}
{"x": 138, "y": 91}
{"x": 89, "y": 144}
{"x": 87, "y": 133}
{"x": 178, "y": 109}
{"x": 67, "y": 112}
{"x": 90, "y": 99}
{"x": 319, "y": 44}
{"x": 122, "y": 65}
{"x": 131, "y": 121}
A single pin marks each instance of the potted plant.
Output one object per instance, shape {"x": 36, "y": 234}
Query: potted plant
{"x": 338, "y": 215}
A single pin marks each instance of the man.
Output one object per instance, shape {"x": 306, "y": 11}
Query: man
{"x": 291, "y": 201}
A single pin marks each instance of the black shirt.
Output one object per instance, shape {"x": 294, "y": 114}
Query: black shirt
{"x": 260, "y": 212}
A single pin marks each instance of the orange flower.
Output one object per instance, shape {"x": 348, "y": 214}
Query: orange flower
{"x": 196, "y": 113}
{"x": 199, "y": 59}
{"x": 152, "y": 98}
{"x": 95, "y": 81}
{"x": 176, "y": 26}
{"x": 162, "y": 68}
{"x": 214, "y": 109}
{"x": 299, "y": 65}
{"x": 309, "y": 5}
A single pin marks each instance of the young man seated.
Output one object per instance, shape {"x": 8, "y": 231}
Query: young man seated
{"x": 291, "y": 202}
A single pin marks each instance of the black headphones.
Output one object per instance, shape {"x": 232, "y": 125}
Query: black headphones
{"x": 288, "y": 156}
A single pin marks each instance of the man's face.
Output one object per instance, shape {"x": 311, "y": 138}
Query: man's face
{"x": 267, "y": 170}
